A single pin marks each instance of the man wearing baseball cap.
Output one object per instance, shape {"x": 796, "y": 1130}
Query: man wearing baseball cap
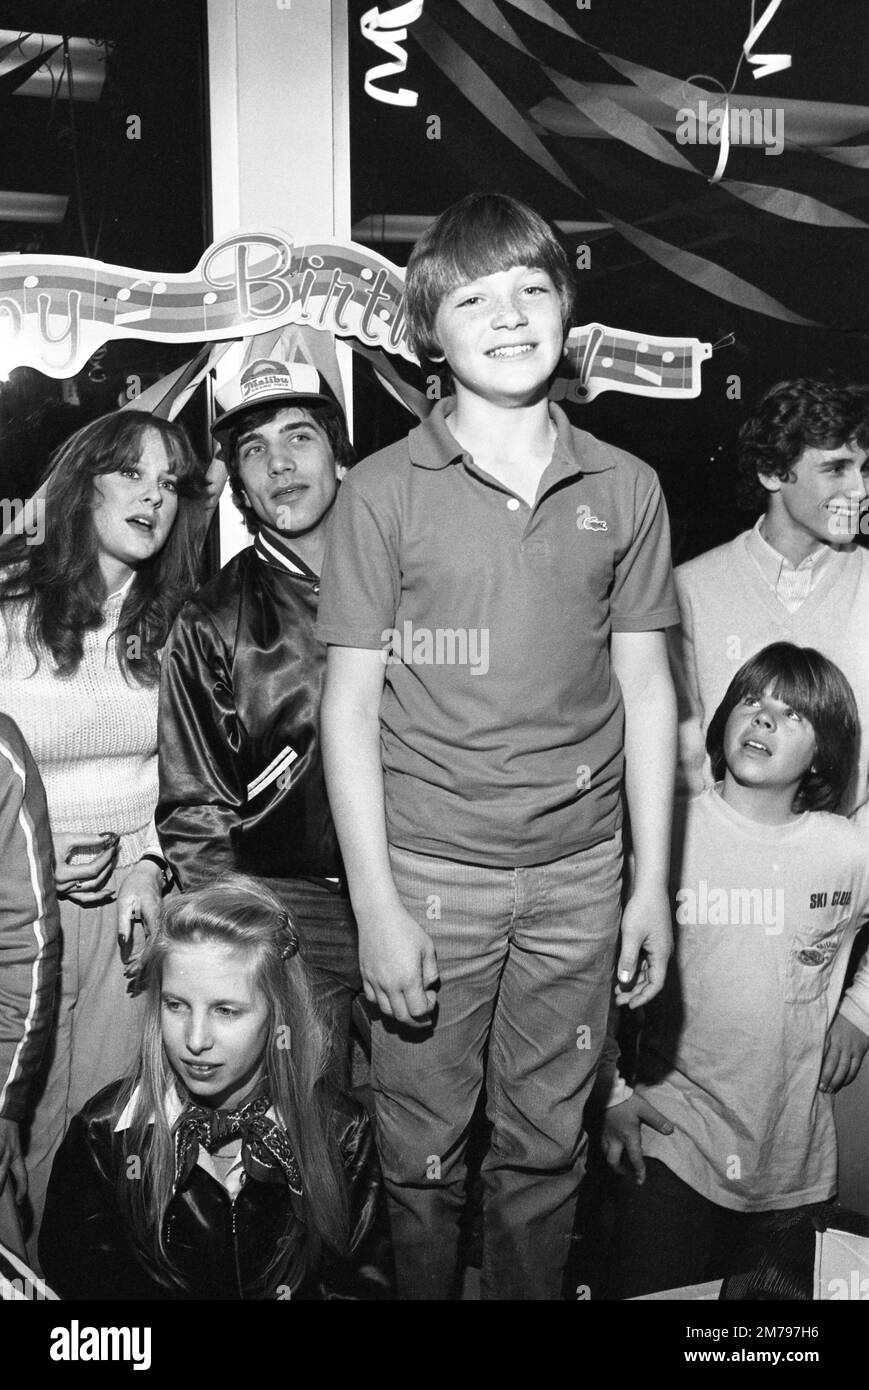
{"x": 241, "y": 777}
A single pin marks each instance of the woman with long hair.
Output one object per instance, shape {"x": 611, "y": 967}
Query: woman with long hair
{"x": 225, "y": 1166}
{"x": 86, "y": 602}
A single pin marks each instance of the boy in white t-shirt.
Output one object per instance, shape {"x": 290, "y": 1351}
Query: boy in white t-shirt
{"x": 752, "y": 1033}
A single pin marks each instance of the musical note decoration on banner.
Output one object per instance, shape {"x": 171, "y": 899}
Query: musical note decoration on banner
{"x": 57, "y": 311}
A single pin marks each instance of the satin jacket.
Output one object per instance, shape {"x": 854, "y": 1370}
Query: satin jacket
{"x": 220, "y": 1247}
{"x": 241, "y": 774}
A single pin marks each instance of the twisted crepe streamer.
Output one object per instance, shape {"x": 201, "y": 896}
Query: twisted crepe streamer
{"x": 764, "y": 64}
{"x": 373, "y": 24}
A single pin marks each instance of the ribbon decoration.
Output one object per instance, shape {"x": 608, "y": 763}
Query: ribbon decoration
{"x": 855, "y": 155}
{"x": 622, "y": 124}
{"x": 724, "y": 137}
{"x": 614, "y": 119}
{"x": 470, "y": 78}
{"x": 672, "y": 91}
{"x": 376, "y": 28}
{"x": 764, "y": 64}
{"x": 712, "y": 278}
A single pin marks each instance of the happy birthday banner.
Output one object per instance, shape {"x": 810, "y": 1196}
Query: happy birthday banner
{"x": 57, "y": 311}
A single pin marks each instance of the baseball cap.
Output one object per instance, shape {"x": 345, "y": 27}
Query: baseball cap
{"x": 270, "y": 382}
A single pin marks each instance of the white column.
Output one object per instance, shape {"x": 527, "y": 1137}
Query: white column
{"x": 280, "y": 134}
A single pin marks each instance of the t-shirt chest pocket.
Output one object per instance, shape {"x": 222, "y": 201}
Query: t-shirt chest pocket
{"x": 814, "y": 948}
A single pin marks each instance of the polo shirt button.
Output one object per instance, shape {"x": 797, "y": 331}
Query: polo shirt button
{"x": 513, "y": 504}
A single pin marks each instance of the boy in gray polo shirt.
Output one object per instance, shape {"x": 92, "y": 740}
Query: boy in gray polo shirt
{"x": 493, "y": 597}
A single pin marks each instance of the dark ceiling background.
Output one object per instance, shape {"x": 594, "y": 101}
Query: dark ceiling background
{"x": 138, "y": 203}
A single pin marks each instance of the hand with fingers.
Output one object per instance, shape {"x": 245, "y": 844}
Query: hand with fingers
{"x": 622, "y": 1139}
{"x": 844, "y": 1050}
{"x": 85, "y": 882}
{"x": 399, "y": 968}
{"x": 647, "y": 942}
{"x": 139, "y": 899}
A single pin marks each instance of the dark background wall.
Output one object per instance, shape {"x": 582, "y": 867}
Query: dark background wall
{"x": 132, "y": 202}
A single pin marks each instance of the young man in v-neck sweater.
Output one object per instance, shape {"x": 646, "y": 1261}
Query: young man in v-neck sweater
{"x": 798, "y": 575}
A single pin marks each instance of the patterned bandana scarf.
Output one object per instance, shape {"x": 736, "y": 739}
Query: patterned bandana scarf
{"x": 265, "y": 1149}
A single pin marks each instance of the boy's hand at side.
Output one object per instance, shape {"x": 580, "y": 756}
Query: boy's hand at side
{"x": 621, "y": 1133}
{"x": 646, "y": 928}
{"x": 642, "y": 667}
{"x": 399, "y": 968}
{"x": 844, "y": 1051}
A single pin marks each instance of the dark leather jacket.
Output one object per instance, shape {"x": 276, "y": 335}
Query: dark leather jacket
{"x": 221, "y": 1248}
{"x": 241, "y": 775}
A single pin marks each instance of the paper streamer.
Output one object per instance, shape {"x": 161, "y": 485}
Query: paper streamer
{"x": 387, "y": 32}
{"x": 796, "y": 207}
{"x": 764, "y": 64}
{"x": 706, "y": 275}
{"x": 633, "y": 131}
{"x": 678, "y": 94}
{"x": 622, "y": 124}
{"x": 855, "y": 155}
{"x": 479, "y": 88}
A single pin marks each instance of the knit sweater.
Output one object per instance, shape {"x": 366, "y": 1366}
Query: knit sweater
{"x": 93, "y": 735}
{"x": 729, "y": 613}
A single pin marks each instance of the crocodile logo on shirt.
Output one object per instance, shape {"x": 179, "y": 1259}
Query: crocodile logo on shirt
{"x": 586, "y": 521}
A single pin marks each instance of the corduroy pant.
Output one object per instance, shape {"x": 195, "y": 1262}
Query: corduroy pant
{"x": 525, "y": 958}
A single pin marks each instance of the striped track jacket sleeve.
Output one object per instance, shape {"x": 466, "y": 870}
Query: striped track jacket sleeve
{"x": 29, "y": 921}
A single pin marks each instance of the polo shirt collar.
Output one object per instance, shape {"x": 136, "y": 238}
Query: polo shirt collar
{"x": 433, "y": 445}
